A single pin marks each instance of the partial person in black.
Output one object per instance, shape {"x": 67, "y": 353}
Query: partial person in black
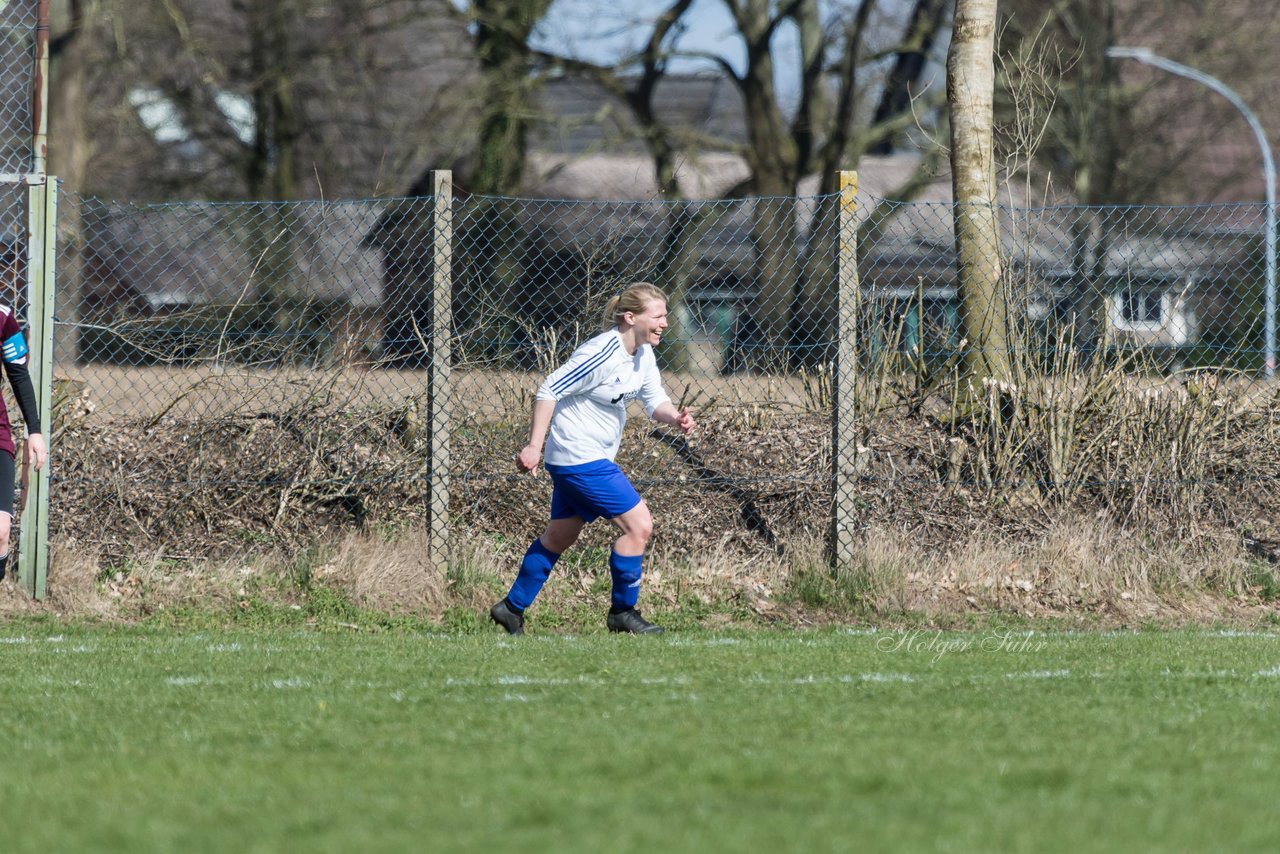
{"x": 16, "y": 358}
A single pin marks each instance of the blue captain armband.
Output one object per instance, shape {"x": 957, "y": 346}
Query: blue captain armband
{"x": 14, "y": 348}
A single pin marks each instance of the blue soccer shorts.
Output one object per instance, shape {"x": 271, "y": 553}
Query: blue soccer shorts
{"x": 595, "y": 490}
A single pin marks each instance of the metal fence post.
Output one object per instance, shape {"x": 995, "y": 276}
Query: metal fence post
{"x": 42, "y": 218}
{"x": 843, "y": 432}
{"x": 439, "y": 391}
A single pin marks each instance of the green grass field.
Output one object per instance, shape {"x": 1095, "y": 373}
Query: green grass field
{"x": 149, "y": 739}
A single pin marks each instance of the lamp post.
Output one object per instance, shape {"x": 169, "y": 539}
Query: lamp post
{"x": 1145, "y": 56}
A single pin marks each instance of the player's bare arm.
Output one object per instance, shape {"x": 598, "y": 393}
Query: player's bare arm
{"x": 539, "y": 420}
{"x": 681, "y": 419}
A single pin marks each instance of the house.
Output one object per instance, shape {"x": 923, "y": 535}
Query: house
{"x": 1175, "y": 289}
{"x": 323, "y": 281}
{"x": 1161, "y": 283}
{"x": 247, "y": 282}
{"x": 1160, "y": 278}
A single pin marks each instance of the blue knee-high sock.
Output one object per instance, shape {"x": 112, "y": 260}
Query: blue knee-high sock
{"x": 534, "y": 570}
{"x": 626, "y": 571}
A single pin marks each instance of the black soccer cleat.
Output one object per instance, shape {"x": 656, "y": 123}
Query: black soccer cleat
{"x": 631, "y": 622}
{"x": 507, "y": 617}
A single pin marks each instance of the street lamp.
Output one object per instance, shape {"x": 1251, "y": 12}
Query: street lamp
{"x": 1145, "y": 56}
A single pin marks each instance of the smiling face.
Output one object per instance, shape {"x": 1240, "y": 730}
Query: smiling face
{"x": 650, "y": 323}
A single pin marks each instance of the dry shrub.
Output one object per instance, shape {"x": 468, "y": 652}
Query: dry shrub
{"x": 722, "y": 573}
{"x": 14, "y": 601}
{"x": 1080, "y": 564}
{"x": 73, "y": 585}
{"x": 1156, "y": 453}
{"x": 396, "y": 577}
{"x": 1076, "y": 488}
{"x": 1076, "y": 566}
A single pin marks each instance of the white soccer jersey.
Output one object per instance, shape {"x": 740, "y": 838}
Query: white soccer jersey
{"x": 591, "y": 392}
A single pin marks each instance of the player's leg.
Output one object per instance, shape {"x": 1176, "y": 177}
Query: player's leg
{"x": 6, "y": 524}
{"x": 539, "y": 559}
{"x": 6, "y": 508}
{"x": 626, "y": 566}
{"x": 636, "y": 526}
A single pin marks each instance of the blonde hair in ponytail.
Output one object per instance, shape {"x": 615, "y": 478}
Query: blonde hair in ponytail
{"x": 635, "y": 299}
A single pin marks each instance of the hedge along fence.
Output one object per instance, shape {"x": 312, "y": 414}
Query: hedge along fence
{"x": 387, "y": 352}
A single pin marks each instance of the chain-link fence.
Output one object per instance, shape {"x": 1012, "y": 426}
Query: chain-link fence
{"x": 238, "y": 374}
{"x": 25, "y": 233}
{"x": 19, "y": 98}
{"x": 17, "y": 73}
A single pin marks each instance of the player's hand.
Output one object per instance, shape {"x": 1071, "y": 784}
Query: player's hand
{"x": 528, "y": 458}
{"x": 35, "y": 451}
{"x": 684, "y": 421}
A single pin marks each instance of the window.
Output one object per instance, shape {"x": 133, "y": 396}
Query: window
{"x": 1141, "y": 305}
{"x": 1139, "y": 308}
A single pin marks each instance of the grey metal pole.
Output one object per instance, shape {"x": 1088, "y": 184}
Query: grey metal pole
{"x": 1145, "y": 56}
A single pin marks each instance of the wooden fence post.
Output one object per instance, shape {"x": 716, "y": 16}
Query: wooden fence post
{"x": 42, "y": 240}
{"x": 439, "y": 392}
{"x": 844, "y": 440}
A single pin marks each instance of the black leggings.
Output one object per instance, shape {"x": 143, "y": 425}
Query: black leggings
{"x": 7, "y": 470}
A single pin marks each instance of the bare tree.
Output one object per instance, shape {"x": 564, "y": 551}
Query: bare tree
{"x": 924, "y": 26}
{"x": 1161, "y": 141}
{"x": 1166, "y": 140}
{"x": 970, "y": 97}
{"x": 70, "y": 149}
{"x": 635, "y": 82}
{"x": 295, "y": 98}
{"x": 508, "y": 83}
{"x": 824, "y": 132}
{"x": 68, "y": 92}
{"x": 507, "y": 93}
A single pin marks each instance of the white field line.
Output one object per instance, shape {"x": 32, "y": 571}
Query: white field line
{"x": 1234, "y": 633}
{"x": 505, "y": 683}
{"x": 291, "y": 682}
{"x": 399, "y": 693}
{"x": 847, "y": 678}
{"x": 996, "y": 641}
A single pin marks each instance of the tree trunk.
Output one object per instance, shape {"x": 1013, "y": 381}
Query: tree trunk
{"x": 497, "y": 242}
{"x": 773, "y": 156}
{"x": 270, "y": 168}
{"x": 970, "y": 91}
{"x": 69, "y": 145}
{"x": 1086, "y": 317}
{"x": 777, "y": 277}
{"x": 69, "y": 153}
{"x": 687, "y": 223}
{"x": 814, "y": 319}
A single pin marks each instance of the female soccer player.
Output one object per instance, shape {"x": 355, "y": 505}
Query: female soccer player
{"x": 13, "y": 349}
{"x": 584, "y": 403}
